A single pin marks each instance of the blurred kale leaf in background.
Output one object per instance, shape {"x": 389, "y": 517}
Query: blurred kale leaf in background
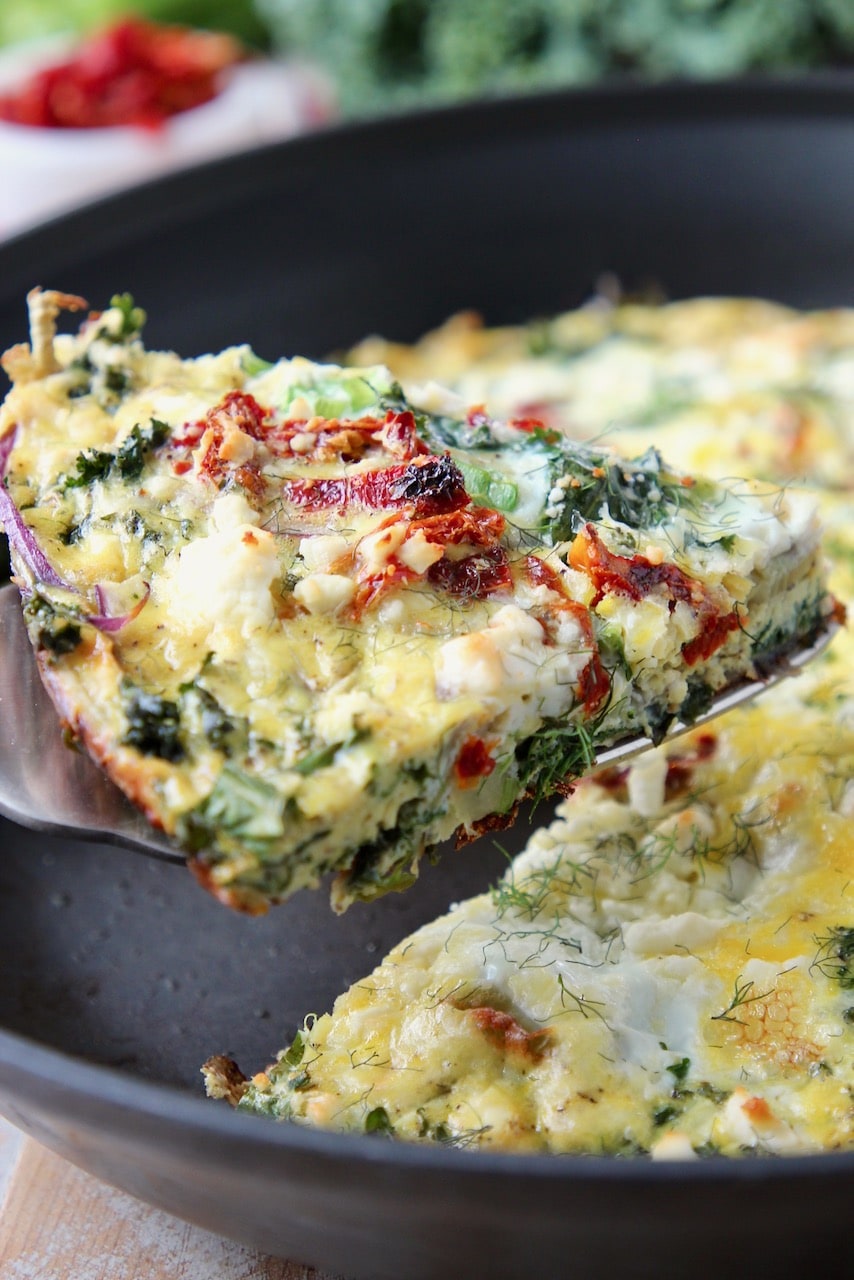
{"x": 384, "y": 54}
{"x": 396, "y": 52}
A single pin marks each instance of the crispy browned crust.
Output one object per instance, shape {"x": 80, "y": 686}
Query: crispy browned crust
{"x": 246, "y": 901}
{"x": 132, "y": 775}
{"x": 224, "y": 1079}
{"x": 135, "y": 776}
{"x": 492, "y": 822}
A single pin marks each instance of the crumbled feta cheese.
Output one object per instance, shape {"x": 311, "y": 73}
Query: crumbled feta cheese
{"x": 227, "y": 575}
{"x": 321, "y": 552}
{"x": 511, "y": 656}
{"x": 324, "y": 592}
{"x": 303, "y": 441}
{"x": 231, "y": 510}
{"x": 647, "y": 777}
{"x": 377, "y": 547}
{"x": 673, "y": 1146}
{"x": 418, "y": 554}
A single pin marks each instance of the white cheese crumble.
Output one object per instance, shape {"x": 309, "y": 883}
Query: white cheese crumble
{"x": 417, "y": 553}
{"x": 223, "y": 578}
{"x": 647, "y": 777}
{"x": 324, "y": 592}
{"x": 321, "y": 552}
{"x": 232, "y": 511}
{"x": 510, "y": 656}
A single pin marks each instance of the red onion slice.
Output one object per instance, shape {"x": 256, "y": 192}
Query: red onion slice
{"x": 20, "y": 536}
{"x": 24, "y": 544}
{"x": 106, "y": 621}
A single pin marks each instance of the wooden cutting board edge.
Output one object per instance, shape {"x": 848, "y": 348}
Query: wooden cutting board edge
{"x": 59, "y": 1223}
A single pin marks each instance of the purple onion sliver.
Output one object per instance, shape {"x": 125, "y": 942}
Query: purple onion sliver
{"x": 20, "y": 536}
{"x": 22, "y": 541}
{"x": 114, "y": 622}
{"x": 7, "y": 444}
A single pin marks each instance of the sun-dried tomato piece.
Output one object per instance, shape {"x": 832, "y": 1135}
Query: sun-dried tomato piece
{"x": 474, "y": 761}
{"x": 481, "y": 574}
{"x": 478, "y": 526}
{"x": 637, "y": 576}
{"x": 425, "y": 487}
{"x": 502, "y": 1030}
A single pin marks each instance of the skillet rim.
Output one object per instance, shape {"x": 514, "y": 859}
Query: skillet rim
{"x": 82, "y": 1082}
{"x": 817, "y": 94}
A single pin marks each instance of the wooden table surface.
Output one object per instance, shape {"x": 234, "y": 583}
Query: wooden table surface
{"x": 58, "y": 1223}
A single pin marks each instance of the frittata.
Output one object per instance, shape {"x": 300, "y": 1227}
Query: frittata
{"x": 668, "y": 969}
{"x": 310, "y": 625}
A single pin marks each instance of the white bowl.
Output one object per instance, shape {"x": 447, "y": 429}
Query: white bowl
{"x": 48, "y": 171}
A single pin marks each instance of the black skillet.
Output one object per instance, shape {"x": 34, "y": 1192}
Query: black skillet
{"x": 119, "y": 976}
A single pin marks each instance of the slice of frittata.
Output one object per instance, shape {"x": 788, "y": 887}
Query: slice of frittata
{"x": 310, "y": 626}
{"x": 668, "y": 969}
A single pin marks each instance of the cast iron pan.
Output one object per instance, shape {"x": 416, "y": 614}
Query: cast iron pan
{"x": 119, "y": 976}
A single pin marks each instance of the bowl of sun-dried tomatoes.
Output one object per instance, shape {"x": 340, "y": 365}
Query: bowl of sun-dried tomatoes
{"x": 133, "y": 100}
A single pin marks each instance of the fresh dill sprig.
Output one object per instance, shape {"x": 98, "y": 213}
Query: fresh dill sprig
{"x": 572, "y": 1003}
{"x": 835, "y": 956}
{"x": 527, "y": 896}
{"x": 743, "y": 994}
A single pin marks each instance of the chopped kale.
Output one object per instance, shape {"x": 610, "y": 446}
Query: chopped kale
{"x": 712, "y": 1092}
{"x": 56, "y": 633}
{"x": 293, "y": 1055}
{"x": 202, "y": 713}
{"x": 657, "y": 720}
{"x": 370, "y": 874}
{"x": 128, "y": 460}
{"x": 318, "y": 759}
{"x": 75, "y": 532}
{"x": 138, "y": 529}
{"x": 638, "y": 493}
{"x": 239, "y": 805}
{"x": 697, "y": 701}
{"x": 81, "y": 371}
{"x": 94, "y": 464}
{"x": 555, "y": 754}
{"x": 776, "y": 638}
{"x": 131, "y": 456}
{"x": 679, "y": 1070}
{"x": 377, "y": 1121}
{"x": 154, "y": 724}
{"x": 116, "y": 379}
{"x": 321, "y": 757}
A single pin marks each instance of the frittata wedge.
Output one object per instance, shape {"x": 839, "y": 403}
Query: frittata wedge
{"x": 311, "y": 626}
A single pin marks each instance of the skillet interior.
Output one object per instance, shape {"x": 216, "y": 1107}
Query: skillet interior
{"x": 514, "y": 209}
